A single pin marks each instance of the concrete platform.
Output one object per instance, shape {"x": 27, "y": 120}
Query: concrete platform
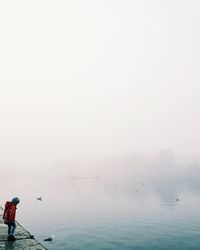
{"x": 23, "y": 238}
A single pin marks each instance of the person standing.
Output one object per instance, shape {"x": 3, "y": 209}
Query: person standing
{"x": 9, "y": 217}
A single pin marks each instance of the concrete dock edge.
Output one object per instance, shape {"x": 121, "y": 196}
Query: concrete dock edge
{"x": 24, "y": 239}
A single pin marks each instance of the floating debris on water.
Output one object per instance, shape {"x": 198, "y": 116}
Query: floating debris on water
{"x": 49, "y": 238}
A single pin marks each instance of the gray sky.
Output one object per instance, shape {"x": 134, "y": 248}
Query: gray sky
{"x": 98, "y": 77}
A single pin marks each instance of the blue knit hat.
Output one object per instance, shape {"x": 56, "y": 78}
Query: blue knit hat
{"x": 15, "y": 200}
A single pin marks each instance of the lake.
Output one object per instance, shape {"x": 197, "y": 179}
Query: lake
{"x": 113, "y": 209}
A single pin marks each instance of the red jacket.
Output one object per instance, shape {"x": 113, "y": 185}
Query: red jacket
{"x": 9, "y": 212}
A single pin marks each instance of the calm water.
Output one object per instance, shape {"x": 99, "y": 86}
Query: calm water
{"x": 112, "y": 211}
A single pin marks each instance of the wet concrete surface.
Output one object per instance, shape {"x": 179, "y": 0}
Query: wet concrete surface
{"x": 23, "y": 238}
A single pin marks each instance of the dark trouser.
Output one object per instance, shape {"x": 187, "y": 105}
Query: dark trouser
{"x": 11, "y": 227}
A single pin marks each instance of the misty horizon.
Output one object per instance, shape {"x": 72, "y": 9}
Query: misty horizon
{"x": 98, "y": 78}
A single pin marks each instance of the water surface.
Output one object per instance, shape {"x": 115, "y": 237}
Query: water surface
{"x": 112, "y": 209}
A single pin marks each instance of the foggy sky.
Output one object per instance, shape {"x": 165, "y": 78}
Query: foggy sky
{"x": 98, "y": 77}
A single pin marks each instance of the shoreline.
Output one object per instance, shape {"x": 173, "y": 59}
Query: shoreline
{"x": 24, "y": 239}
